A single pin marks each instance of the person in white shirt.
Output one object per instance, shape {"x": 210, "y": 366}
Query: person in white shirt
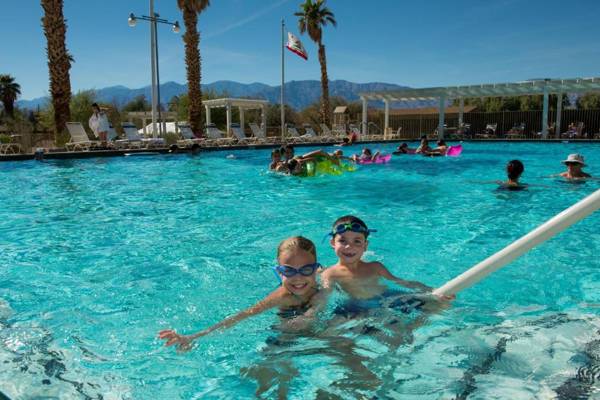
{"x": 99, "y": 123}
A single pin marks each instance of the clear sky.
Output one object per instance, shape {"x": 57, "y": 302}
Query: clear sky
{"x": 419, "y": 44}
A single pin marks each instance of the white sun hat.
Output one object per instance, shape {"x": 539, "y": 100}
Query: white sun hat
{"x": 574, "y": 158}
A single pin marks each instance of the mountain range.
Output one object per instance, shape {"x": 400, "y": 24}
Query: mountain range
{"x": 298, "y": 94}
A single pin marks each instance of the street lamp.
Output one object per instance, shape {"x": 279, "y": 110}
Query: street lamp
{"x": 154, "y": 20}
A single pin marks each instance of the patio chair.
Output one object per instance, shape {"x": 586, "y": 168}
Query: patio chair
{"x": 112, "y": 134}
{"x": 463, "y": 132}
{"x": 12, "y": 147}
{"x": 240, "y": 135}
{"x": 134, "y": 140}
{"x": 327, "y": 135}
{"x": 189, "y": 139}
{"x": 260, "y": 135}
{"x": 516, "y": 132}
{"x": 293, "y": 135}
{"x": 216, "y": 136}
{"x": 310, "y": 133}
{"x": 489, "y": 131}
{"x": 79, "y": 138}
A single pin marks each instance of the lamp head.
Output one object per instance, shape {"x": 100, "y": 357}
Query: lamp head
{"x": 132, "y": 20}
{"x": 176, "y": 28}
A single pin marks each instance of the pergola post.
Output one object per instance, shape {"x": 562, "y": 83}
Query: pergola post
{"x": 545, "y": 114}
{"x": 208, "y": 121}
{"x": 441, "y": 119}
{"x": 386, "y": 120}
{"x": 241, "y": 118}
{"x": 558, "y": 115}
{"x": 364, "y": 116}
{"x": 228, "y": 114}
{"x": 263, "y": 119}
{"x": 461, "y": 111}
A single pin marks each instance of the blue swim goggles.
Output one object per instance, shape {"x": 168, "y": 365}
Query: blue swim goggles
{"x": 353, "y": 227}
{"x": 288, "y": 272}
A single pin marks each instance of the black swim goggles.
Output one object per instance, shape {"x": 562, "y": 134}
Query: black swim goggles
{"x": 305, "y": 270}
{"x": 353, "y": 227}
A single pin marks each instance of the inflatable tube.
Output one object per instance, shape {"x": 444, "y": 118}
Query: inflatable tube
{"x": 454, "y": 151}
{"x": 380, "y": 159}
{"x": 327, "y": 167}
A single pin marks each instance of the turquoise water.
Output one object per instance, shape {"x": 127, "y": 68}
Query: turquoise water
{"x": 98, "y": 255}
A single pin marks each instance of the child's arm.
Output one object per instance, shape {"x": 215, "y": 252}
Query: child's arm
{"x": 184, "y": 342}
{"x": 384, "y": 273}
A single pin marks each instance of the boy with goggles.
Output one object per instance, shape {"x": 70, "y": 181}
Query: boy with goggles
{"x": 361, "y": 280}
{"x": 296, "y": 297}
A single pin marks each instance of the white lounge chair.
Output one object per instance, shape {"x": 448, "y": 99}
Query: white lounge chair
{"x": 112, "y": 134}
{"x": 216, "y": 136}
{"x": 189, "y": 139}
{"x": 260, "y": 135}
{"x": 11, "y": 147}
{"x": 239, "y": 134}
{"x": 295, "y": 137}
{"x": 79, "y": 138}
{"x": 134, "y": 140}
{"x": 310, "y": 133}
{"x": 327, "y": 135}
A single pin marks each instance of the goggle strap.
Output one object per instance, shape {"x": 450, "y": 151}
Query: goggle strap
{"x": 274, "y": 269}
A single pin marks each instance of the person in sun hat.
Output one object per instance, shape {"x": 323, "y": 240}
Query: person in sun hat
{"x": 574, "y": 163}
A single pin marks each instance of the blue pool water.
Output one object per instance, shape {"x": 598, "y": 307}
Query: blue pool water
{"x": 98, "y": 255}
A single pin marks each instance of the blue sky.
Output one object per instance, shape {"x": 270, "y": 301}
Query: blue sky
{"x": 419, "y": 44}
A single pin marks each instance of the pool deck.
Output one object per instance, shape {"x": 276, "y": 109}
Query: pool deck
{"x": 63, "y": 155}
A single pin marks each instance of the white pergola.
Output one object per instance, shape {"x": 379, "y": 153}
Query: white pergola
{"x": 544, "y": 87}
{"x": 242, "y": 104}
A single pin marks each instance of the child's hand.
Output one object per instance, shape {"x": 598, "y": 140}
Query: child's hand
{"x": 445, "y": 297}
{"x": 184, "y": 343}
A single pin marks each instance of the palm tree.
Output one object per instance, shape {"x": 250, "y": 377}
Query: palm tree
{"x": 59, "y": 61}
{"x": 312, "y": 18}
{"x": 191, "y": 38}
{"x": 9, "y": 91}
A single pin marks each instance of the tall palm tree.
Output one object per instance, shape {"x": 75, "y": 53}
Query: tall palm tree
{"x": 191, "y": 38}
{"x": 9, "y": 91}
{"x": 312, "y": 18}
{"x": 59, "y": 62}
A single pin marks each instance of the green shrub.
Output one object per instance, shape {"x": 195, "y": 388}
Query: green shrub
{"x": 4, "y": 138}
{"x": 171, "y": 138}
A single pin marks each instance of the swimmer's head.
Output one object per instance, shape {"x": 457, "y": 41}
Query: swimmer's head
{"x": 441, "y": 142}
{"x": 293, "y": 166}
{"x": 514, "y": 169}
{"x": 346, "y": 140}
{"x": 349, "y": 238}
{"x": 367, "y": 152}
{"x": 338, "y": 153}
{"x": 288, "y": 151}
{"x": 350, "y": 223}
{"x": 404, "y": 145}
{"x": 276, "y": 155}
{"x": 297, "y": 265}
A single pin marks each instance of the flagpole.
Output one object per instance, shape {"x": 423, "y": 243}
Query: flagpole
{"x": 282, "y": 77}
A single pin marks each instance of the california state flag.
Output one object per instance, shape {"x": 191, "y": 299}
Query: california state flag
{"x": 295, "y": 45}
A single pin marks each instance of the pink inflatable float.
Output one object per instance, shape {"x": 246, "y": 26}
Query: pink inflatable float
{"x": 380, "y": 159}
{"x": 454, "y": 151}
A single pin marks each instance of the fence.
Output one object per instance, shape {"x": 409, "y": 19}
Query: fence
{"x": 413, "y": 126}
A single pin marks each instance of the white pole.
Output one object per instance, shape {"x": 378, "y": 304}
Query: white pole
{"x": 550, "y": 228}
{"x": 558, "y": 115}
{"x": 242, "y": 118}
{"x": 545, "y": 114}
{"x": 228, "y": 119}
{"x": 364, "y": 116}
{"x": 282, "y": 77}
{"x": 208, "y": 120}
{"x": 461, "y": 111}
{"x": 386, "y": 119}
{"x": 153, "y": 68}
{"x": 442, "y": 106}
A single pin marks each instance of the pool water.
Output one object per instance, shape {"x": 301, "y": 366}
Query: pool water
{"x": 98, "y": 255}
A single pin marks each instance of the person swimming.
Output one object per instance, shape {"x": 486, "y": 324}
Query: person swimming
{"x": 514, "y": 170}
{"x": 296, "y": 297}
{"x": 404, "y": 149}
{"x": 575, "y": 163}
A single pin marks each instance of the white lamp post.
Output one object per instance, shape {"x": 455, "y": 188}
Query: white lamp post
{"x": 154, "y": 20}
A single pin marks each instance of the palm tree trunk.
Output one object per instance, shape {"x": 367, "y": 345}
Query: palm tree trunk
{"x": 324, "y": 86}
{"x": 59, "y": 62}
{"x": 191, "y": 38}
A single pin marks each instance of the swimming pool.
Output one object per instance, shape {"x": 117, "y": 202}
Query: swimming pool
{"x": 98, "y": 255}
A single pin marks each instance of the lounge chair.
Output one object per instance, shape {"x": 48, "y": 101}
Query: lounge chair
{"x": 189, "y": 139}
{"x": 79, "y": 138}
{"x": 241, "y": 137}
{"x": 310, "y": 134}
{"x": 327, "y": 135}
{"x": 260, "y": 136}
{"x": 516, "y": 132}
{"x": 134, "y": 140}
{"x": 112, "y": 134}
{"x": 294, "y": 136}
{"x": 11, "y": 147}
{"x": 216, "y": 136}
{"x": 489, "y": 131}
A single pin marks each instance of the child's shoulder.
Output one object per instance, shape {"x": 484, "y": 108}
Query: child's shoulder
{"x": 372, "y": 264}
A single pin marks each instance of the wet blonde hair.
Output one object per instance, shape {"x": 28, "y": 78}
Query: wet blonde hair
{"x": 294, "y": 243}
